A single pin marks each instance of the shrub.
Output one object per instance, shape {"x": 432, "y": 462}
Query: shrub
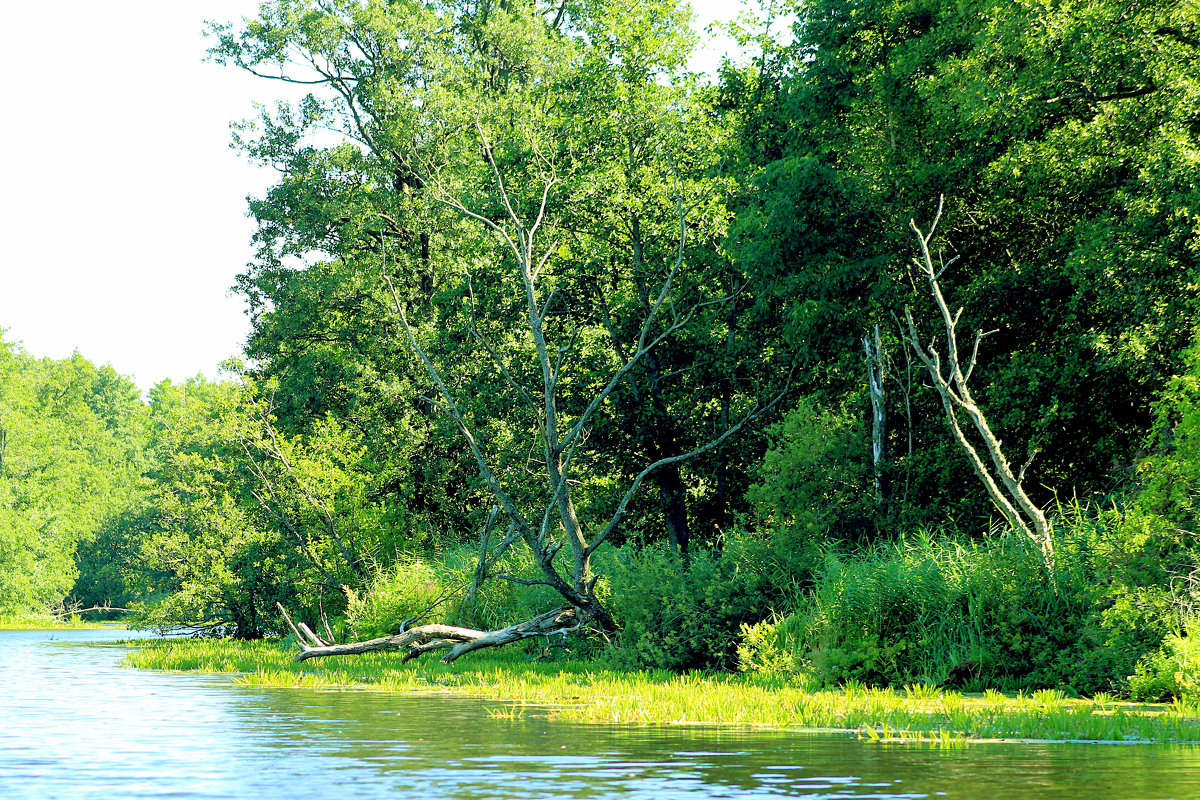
{"x": 815, "y": 482}
{"x": 916, "y": 609}
{"x": 438, "y": 582}
{"x": 500, "y": 603}
{"x": 406, "y": 589}
{"x": 677, "y": 612}
{"x": 1172, "y": 671}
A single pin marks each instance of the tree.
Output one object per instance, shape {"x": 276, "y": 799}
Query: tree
{"x": 71, "y": 457}
{"x": 1061, "y": 132}
{"x": 246, "y": 516}
{"x": 487, "y": 113}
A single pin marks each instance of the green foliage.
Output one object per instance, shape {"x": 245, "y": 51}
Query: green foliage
{"x": 500, "y": 602}
{"x": 247, "y": 516}
{"x": 815, "y": 478}
{"x": 580, "y": 117}
{"x": 1145, "y": 541}
{"x": 1063, "y": 137}
{"x": 409, "y": 589}
{"x": 111, "y": 574}
{"x": 1171, "y": 672}
{"x": 432, "y": 586}
{"x": 1063, "y": 134}
{"x": 915, "y": 610}
{"x": 72, "y": 448}
{"x": 679, "y": 612}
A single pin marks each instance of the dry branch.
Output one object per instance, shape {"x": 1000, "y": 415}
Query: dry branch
{"x": 426, "y": 638}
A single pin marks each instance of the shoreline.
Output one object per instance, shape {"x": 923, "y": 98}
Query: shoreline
{"x": 588, "y": 692}
{"x": 50, "y": 625}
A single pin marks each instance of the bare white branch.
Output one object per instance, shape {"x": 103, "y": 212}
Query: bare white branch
{"x": 1002, "y": 485}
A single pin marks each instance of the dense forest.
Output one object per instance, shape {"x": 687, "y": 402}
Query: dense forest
{"x": 872, "y": 359}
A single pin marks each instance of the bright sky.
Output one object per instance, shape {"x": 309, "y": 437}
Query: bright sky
{"x": 122, "y": 209}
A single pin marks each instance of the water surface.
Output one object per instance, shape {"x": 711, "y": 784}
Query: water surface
{"x": 78, "y": 725}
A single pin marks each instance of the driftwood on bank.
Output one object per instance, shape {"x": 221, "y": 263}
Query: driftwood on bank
{"x": 427, "y": 638}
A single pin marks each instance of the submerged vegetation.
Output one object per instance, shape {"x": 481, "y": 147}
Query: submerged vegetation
{"x": 556, "y": 324}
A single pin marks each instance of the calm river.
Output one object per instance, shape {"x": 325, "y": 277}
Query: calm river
{"x": 78, "y": 725}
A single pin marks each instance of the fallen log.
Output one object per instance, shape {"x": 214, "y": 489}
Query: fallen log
{"x": 427, "y": 638}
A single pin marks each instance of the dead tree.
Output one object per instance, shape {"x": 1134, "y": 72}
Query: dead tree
{"x": 427, "y": 638}
{"x": 951, "y": 382}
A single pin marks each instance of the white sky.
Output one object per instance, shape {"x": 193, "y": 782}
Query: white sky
{"x": 122, "y": 209}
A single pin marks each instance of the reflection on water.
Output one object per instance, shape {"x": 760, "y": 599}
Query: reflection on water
{"x": 76, "y": 725}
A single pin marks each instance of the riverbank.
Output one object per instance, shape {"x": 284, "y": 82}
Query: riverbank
{"x": 52, "y": 624}
{"x": 583, "y": 691}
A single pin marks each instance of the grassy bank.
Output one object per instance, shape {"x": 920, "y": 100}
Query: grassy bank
{"x": 585, "y": 692}
{"x": 50, "y": 624}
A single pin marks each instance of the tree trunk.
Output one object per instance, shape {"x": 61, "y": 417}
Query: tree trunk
{"x": 669, "y": 479}
{"x": 874, "y": 350}
{"x": 1002, "y": 484}
{"x": 670, "y": 483}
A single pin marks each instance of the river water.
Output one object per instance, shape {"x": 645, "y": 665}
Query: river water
{"x": 76, "y": 724}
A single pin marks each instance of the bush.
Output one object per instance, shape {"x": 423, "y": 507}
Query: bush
{"x": 886, "y": 616}
{"x": 916, "y": 609}
{"x": 500, "y": 603}
{"x": 406, "y": 589}
{"x": 677, "y": 612}
{"x": 1148, "y": 540}
{"x": 1172, "y": 671}
{"x": 438, "y": 582}
{"x": 815, "y": 483}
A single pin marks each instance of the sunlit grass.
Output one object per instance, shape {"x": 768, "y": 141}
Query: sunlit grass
{"x": 49, "y": 623}
{"x": 585, "y": 692}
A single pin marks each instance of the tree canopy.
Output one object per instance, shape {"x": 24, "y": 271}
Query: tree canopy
{"x": 528, "y": 290}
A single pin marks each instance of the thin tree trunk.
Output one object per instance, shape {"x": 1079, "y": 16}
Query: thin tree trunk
{"x": 875, "y": 359}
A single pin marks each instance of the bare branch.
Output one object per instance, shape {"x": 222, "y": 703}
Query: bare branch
{"x": 1002, "y": 485}
{"x": 1021, "y": 475}
{"x": 451, "y": 409}
{"x": 460, "y": 641}
{"x": 749, "y": 417}
{"x": 496, "y": 359}
{"x": 975, "y": 352}
{"x": 491, "y": 160}
{"x": 317, "y": 640}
